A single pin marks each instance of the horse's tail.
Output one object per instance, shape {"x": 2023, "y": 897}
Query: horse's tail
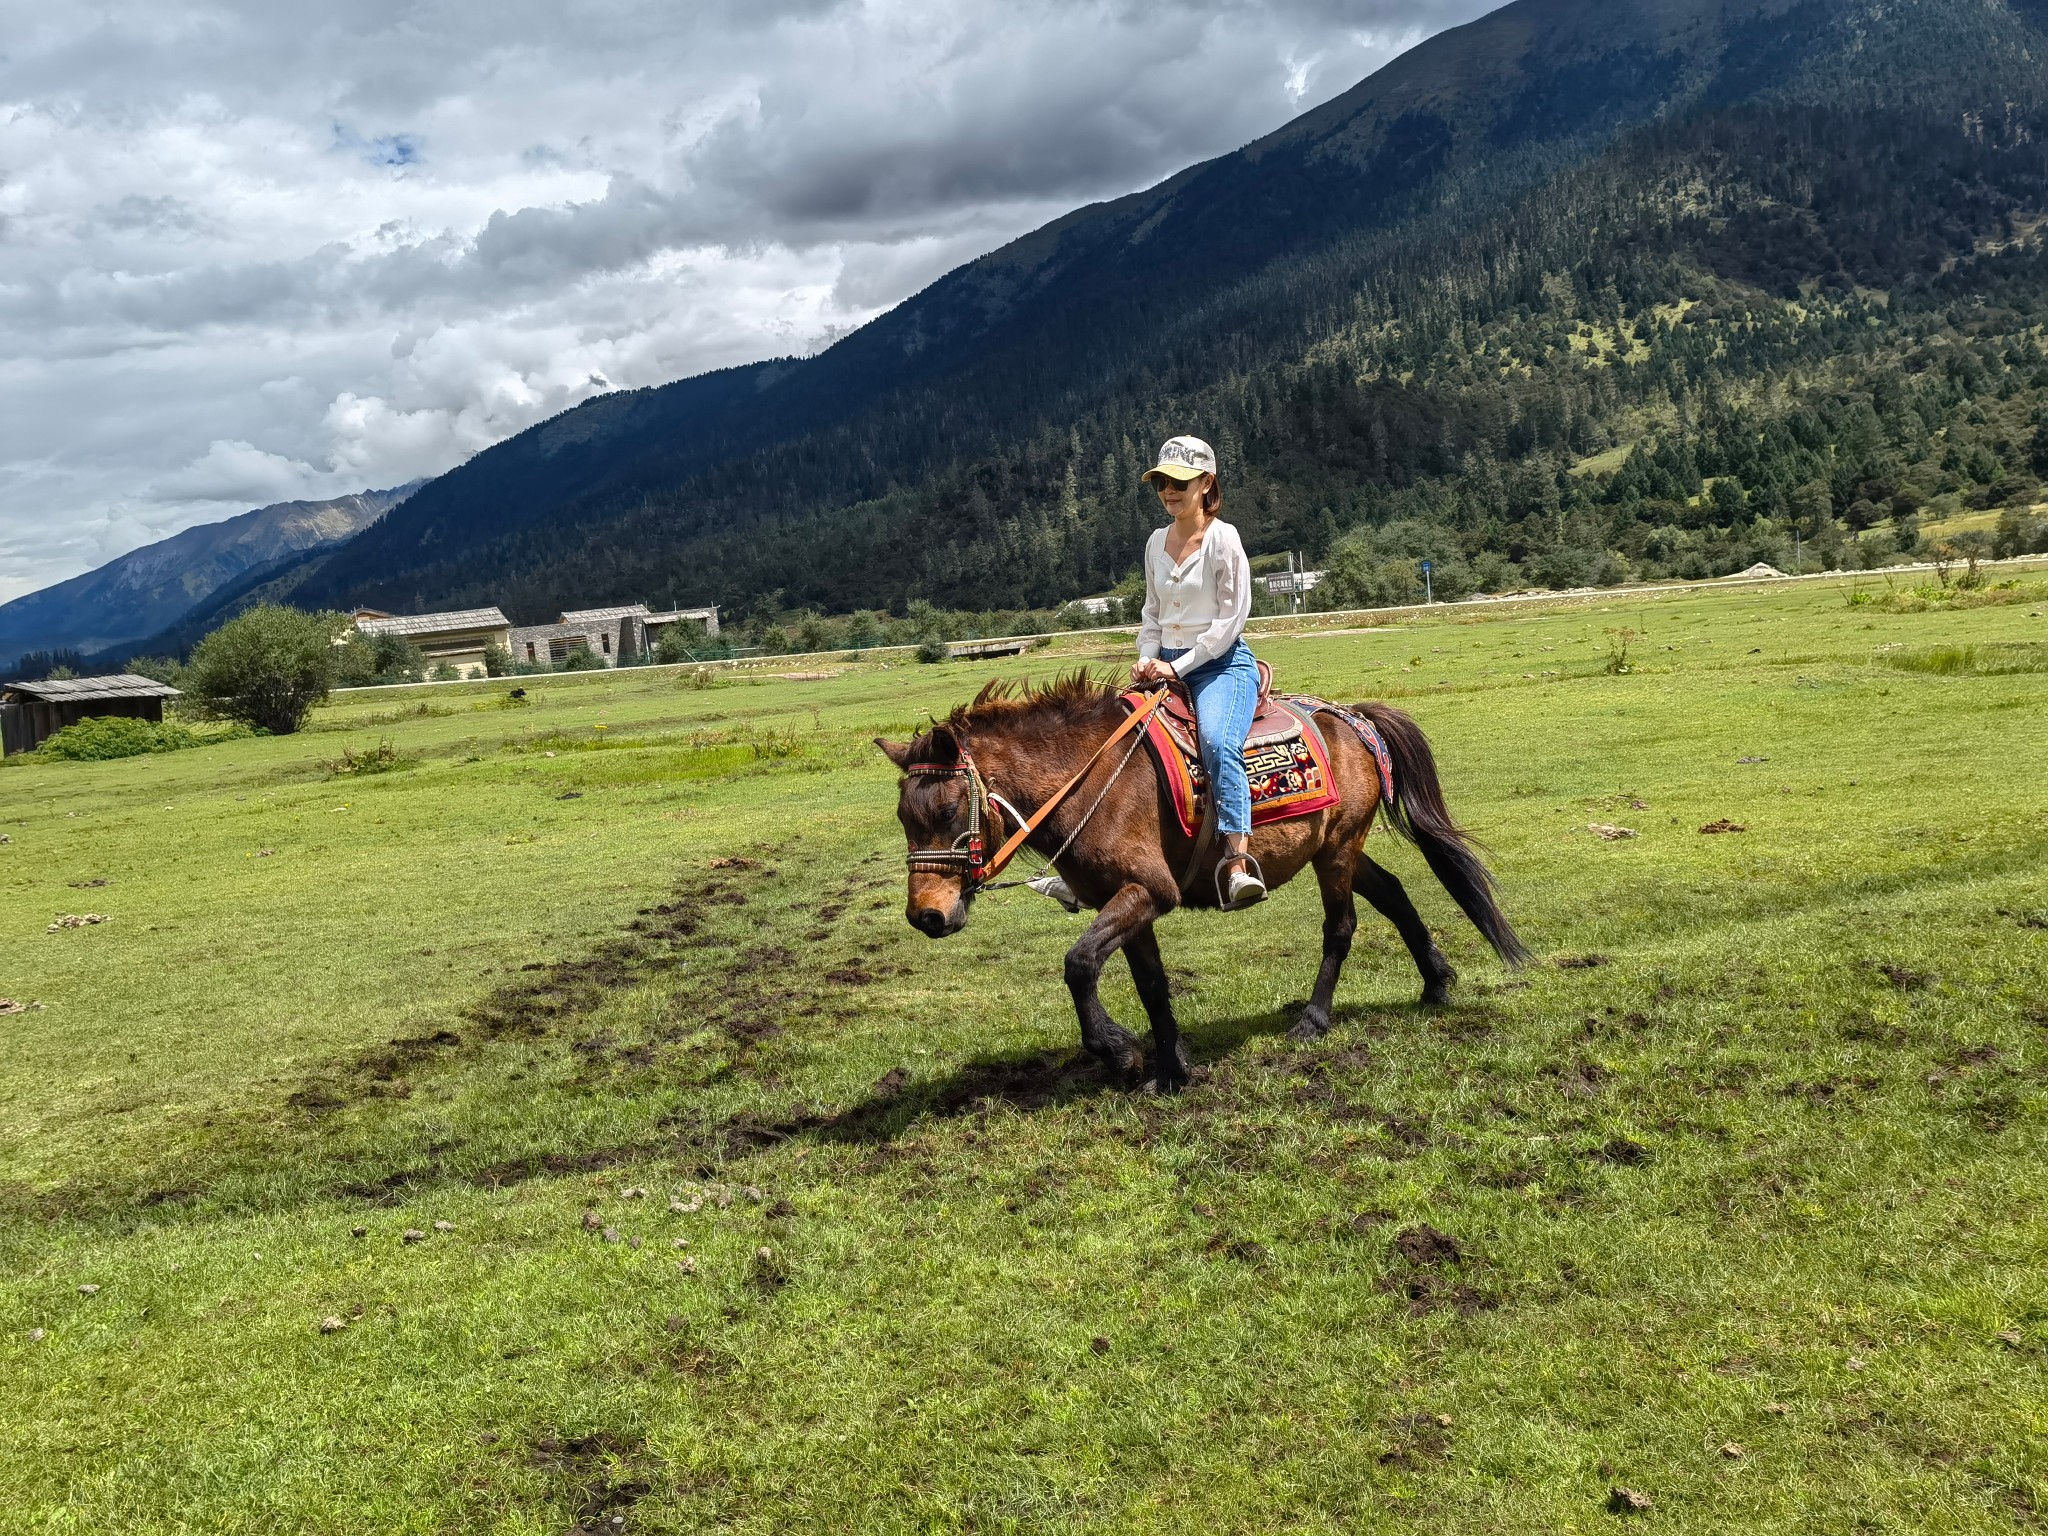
{"x": 1419, "y": 814}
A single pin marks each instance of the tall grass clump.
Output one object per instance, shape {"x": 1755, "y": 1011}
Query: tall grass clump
{"x": 381, "y": 758}
{"x": 1972, "y": 660}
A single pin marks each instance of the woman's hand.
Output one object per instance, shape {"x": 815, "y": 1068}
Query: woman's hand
{"x": 1152, "y": 670}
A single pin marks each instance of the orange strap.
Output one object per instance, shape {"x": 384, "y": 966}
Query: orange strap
{"x": 1132, "y": 721}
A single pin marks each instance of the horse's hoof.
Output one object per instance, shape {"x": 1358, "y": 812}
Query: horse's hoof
{"x": 1437, "y": 995}
{"x": 1161, "y": 1088}
{"x": 1309, "y": 1028}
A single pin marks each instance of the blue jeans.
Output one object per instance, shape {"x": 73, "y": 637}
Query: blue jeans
{"x": 1226, "y": 693}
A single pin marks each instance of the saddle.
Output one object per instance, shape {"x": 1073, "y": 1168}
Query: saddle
{"x": 1285, "y": 756}
{"x": 1272, "y": 721}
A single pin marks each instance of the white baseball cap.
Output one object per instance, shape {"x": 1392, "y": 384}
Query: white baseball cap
{"x": 1183, "y": 459}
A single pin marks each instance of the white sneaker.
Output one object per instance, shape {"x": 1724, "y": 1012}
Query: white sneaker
{"x": 1244, "y": 889}
{"x": 1056, "y": 888}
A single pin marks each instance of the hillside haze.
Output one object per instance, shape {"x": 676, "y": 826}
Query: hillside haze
{"x": 149, "y": 589}
{"x": 1661, "y": 174}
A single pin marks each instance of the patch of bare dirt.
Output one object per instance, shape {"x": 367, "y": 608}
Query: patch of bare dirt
{"x": 1424, "y": 1246}
{"x": 1830, "y": 1090}
{"x": 1580, "y": 1080}
{"x": 1418, "y": 1439}
{"x": 608, "y": 1476}
{"x": 1434, "y": 1280}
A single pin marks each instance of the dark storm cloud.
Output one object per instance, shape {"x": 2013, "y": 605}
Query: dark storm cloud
{"x": 257, "y": 250}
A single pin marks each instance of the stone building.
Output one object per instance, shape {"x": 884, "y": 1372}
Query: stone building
{"x": 456, "y": 640}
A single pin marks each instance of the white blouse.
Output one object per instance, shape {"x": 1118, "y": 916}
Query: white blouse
{"x": 1199, "y": 605}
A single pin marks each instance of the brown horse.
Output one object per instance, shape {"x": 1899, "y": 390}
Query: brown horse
{"x": 1018, "y": 747}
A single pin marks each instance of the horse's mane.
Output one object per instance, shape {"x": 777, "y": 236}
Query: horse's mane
{"x": 1009, "y": 704}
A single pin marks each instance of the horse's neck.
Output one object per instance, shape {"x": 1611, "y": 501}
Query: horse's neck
{"x": 1026, "y": 765}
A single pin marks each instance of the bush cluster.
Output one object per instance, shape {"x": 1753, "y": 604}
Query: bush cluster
{"x": 101, "y": 737}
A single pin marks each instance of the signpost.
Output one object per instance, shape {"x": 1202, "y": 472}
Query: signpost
{"x": 1428, "y": 589}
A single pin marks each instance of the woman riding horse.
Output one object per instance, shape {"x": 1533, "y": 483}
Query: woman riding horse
{"x": 1045, "y": 768}
{"x": 1198, "y": 593}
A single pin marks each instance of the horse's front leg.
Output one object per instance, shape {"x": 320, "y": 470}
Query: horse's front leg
{"x": 1148, "y": 970}
{"x": 1130, "y": 911}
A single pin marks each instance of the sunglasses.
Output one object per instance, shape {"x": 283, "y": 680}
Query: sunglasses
{"x": 1164, "y": 483}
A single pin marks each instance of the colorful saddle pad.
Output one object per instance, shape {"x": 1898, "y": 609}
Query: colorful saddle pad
{"x": 1285, "y": 758}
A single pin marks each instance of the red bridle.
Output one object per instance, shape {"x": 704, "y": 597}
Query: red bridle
{"x": 968, "y": 855}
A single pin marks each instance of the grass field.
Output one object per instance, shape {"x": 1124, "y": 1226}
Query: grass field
{"x": 1734, "y": 1201}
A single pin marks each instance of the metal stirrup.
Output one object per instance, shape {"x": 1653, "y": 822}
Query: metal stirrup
{"x": 1222, "y": 900}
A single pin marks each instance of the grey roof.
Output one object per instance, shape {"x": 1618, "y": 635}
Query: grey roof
{"x": 435, "y": 623}
{"x": 126, "y": 685}
{"x": 681, "y": 613}
{"x": 599, "y": 615}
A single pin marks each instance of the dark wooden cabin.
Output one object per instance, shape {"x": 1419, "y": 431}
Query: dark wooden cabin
{"x": 30, "y": 713}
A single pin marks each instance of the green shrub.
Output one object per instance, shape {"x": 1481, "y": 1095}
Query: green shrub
{"x": 160, "y": 669}
{"x": 363, "y": 661}
{"x": 684, "y": 642}
{"x": 267, "y": 667}
{"x": 582, "y": 660}
{"x": 932, "y": 649}
{"x": 101, "y": 737}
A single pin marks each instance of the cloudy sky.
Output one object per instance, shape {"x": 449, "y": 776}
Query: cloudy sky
{"x": 255, "y": 250}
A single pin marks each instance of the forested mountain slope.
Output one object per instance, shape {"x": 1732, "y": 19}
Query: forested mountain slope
{"x": 1784, "y": 248}
{"x": 146, "y": 589}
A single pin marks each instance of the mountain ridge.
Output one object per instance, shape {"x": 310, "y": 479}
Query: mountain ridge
{"x": 979, "y": 440}
{"x": 138, "y": 594}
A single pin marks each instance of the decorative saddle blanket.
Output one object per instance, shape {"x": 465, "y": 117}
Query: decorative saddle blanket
{"x": 1286, "y": 758}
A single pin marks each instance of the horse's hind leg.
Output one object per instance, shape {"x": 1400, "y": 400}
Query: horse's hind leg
{"x": 1130, "y": 911}
{"x": 1335, "y": 868}
{"x": 1169, "y": 1061}
{"x": 1391, "y": 899}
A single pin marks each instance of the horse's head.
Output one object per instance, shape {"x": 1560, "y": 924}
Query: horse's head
{"x": 938, "y": 803}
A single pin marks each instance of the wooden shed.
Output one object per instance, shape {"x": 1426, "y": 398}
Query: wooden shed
{"x": 32, "y": 712}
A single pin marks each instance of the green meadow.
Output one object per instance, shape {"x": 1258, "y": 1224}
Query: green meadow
{"x": 485, "y": 1116}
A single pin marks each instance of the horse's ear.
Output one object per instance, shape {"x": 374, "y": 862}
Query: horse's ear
{"x": 941, "y": 746}
{"x": 898, "y": 752}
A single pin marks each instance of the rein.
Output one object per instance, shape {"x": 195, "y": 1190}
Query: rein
{"x": 968, "y": 856}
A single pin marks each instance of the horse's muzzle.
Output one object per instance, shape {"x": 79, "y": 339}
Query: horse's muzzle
{"x": 936, "y": 922}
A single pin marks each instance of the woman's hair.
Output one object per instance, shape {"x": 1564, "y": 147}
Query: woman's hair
{"x": 1212, "y": 498}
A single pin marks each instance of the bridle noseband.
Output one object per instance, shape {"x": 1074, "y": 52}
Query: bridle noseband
{"x": 968, "y": 857}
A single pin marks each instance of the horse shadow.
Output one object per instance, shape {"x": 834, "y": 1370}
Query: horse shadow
{"x": 1027, "y": 1082}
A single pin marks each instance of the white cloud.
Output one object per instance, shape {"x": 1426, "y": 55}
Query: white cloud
{"x": 235, "y": 471}
{"x": 252, "y": 251}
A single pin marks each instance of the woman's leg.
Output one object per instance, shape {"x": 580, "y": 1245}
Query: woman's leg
{"x": 1226, "y": 695}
